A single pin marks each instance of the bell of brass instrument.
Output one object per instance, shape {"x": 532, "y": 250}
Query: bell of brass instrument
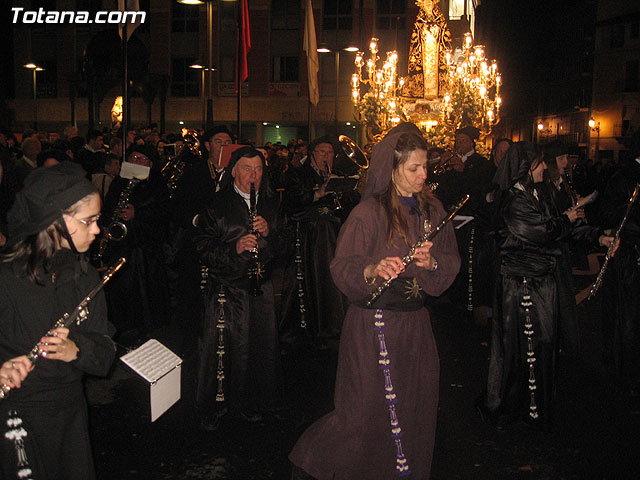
{"x": 254, "y": 266}
{"x": 117, "y": 230}
{"x": 174, "y": 168}
{"x": 350, "y": 158}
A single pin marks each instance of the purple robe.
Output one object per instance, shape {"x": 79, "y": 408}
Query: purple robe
{"x": 355, "y": 440}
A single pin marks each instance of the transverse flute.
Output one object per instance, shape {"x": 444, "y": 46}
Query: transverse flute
{"x": 428, "y": 236}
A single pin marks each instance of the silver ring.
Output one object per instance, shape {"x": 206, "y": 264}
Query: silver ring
{"x": 13, "y": 364}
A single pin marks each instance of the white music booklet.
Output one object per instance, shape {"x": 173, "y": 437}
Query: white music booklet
{"x": 161, "y": 368}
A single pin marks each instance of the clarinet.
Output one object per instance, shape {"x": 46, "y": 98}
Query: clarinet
{"x": 428, "y": 236}
{"x": 596, "y": 285}
{"x": 568, "y": 187}
{"x": 254, "y": 266}
{"x": 117, "y": 229}
{"x": 78, "y": 315}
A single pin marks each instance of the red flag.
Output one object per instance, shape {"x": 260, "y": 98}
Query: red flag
{"x": 244, "y": 44}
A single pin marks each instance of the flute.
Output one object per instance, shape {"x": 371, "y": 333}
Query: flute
{"x": 596, "y": 285}
{"x": 78, "y": 315}
{"x": 428, "y": 236}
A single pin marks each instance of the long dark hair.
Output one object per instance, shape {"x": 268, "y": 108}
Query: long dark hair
{"x": 34, "y": 253}
{"x": 389, "y": 199}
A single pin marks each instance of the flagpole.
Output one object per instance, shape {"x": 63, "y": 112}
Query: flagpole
{"x": 125, "y": 92}
{"x": 239, "y": 71}
{"x": 309, "y": 121}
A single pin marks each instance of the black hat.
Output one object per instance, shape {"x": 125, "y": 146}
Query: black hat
{"x": 331, "y": 140}
{"x": 215, "y": 130}
{"x": 47, "y": 192}
{"x": 555, "y": 149}
{"x": 472, "y": 132}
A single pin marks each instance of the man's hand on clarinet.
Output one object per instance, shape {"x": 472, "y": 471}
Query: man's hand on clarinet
{"x": 246, "y": 243}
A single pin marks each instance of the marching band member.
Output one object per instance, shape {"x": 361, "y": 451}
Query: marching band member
{"x": 42, "y": 276}
{"x": 386, "y": 394}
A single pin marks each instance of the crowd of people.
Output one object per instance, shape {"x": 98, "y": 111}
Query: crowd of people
{"x": 203, "y": 223}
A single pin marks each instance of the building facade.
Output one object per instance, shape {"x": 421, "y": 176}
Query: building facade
{"x": 82, "y": 65}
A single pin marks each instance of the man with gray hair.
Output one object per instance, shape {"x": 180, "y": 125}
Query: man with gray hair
{"x": 31, "y": 148}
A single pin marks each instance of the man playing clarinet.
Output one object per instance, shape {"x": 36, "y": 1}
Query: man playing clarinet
{"x": 239, "y": 366}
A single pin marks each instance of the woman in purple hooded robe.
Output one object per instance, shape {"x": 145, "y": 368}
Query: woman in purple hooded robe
{"x": 386, "y": 392}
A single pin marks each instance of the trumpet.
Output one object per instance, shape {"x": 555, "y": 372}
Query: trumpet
{"x": 440, "y": 168}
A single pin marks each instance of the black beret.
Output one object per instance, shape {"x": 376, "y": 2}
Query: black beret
{"x": 47, "y": 192}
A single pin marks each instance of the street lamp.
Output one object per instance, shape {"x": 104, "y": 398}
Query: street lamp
{"x": 595, "y": 127}
{"x": 202, "y": 68}
{"x": 34, "y": 68}
{"x": 323, "y": 48}
{"x": 209, "y": 66}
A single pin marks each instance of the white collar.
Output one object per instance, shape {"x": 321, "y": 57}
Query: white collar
{"x": 466, "y": 156}
{"x": 30, "y": 162}
{"x": 245, "y": 196}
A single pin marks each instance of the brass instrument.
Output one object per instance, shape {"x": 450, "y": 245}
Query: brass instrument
{"x": 440, "y": 168}
{"x": 350, "y": 150}
{"x": 79, "y": 314}
{"x": 174, "y": 168}
{"x": 429, "y": 233}
{"x": 598, "y": 282}
{"x": 254, "y": 268}
{"x": 117, "y": 230}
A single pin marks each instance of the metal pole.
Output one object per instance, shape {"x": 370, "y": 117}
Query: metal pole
{"x": 335, "y": 107}
{"x": 239, "y": 53}
{"x": 124, "y": 126}
{"x": 35, "y": 102}
{"x": 209, "y": 123}
{"x": 204, "y": 101}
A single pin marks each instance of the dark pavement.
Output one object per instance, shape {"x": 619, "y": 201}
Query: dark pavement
{"x": 596, "y": 431}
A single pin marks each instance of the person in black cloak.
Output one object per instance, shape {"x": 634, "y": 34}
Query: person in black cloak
{"x": 138, "y": 297}
{"x": 621, "y": 286}
{"x": 522, "y": 367}
{"x": 239, "y": 367}
{"x": 311, "y": 300}
{"x": 386, "y": 393}
{"x": 44, "y": 274}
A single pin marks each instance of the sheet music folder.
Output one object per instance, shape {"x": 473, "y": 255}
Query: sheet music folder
{"x": 342, "y": 184}
{"x": 161, "y": 368}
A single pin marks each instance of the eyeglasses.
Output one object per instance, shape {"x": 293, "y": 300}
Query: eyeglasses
{"x": 88, "y": 221}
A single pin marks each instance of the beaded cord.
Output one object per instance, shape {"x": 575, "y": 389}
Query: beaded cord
{"x": 531, "y": 358}
{"x": 300, "y": 278}
{"x": 16, "y": 433}
{"x": 402, "y": 465}
{"x": 220, "y": 350}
